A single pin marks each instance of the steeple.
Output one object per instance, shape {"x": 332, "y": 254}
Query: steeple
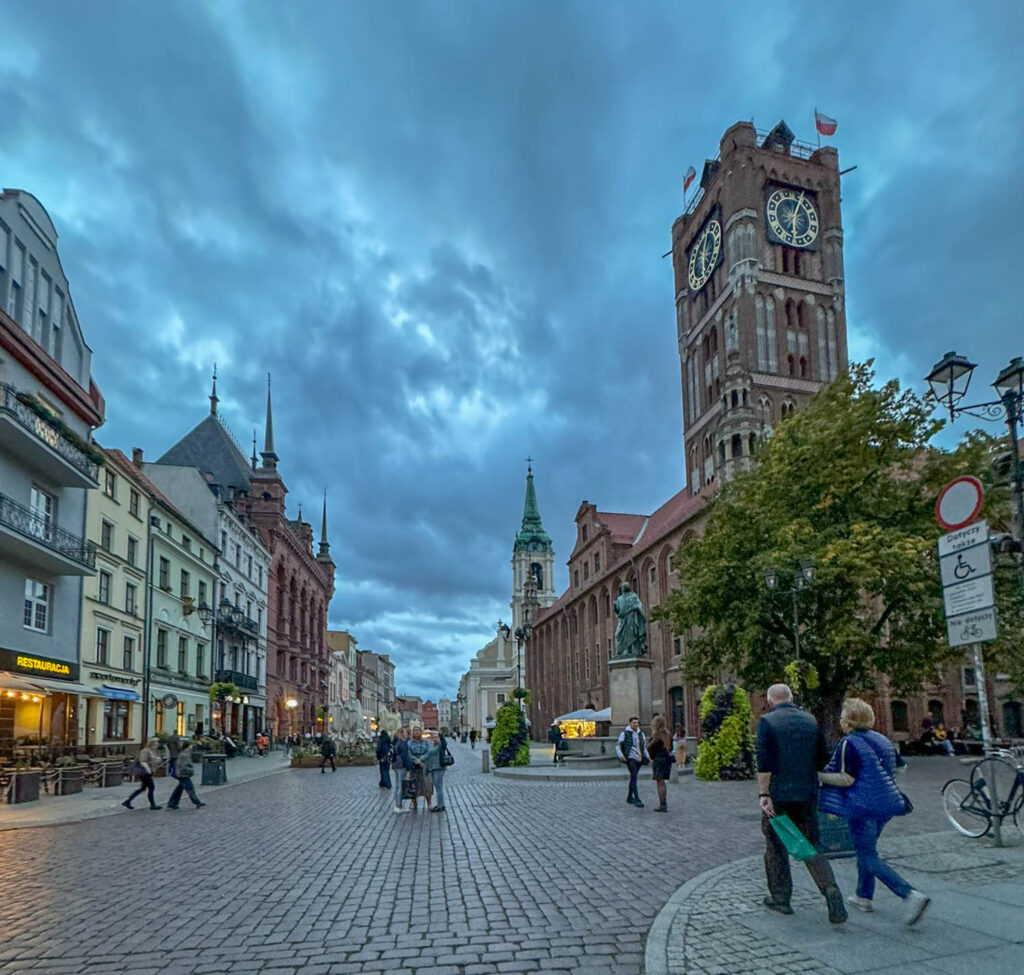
{"x": 268, "y": 455}
{"x": 325, "y": 546}
{"x": 531, "y": 535}
{"x": 213, "y": 393}
{"x": 252, "y": 460}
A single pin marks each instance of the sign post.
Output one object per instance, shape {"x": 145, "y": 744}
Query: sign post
{"x": 965, "y": 566}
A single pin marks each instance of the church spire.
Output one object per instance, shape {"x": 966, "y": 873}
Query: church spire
{"x": 252, "y": 460}
{"x": 268, "y": 455}
{"x": 325, "y": 546}
{"x": 213, "y": 393}
{"x": 531, "y": 535}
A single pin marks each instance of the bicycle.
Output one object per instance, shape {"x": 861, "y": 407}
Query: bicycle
{"x": 968, "y": 803}
{"x": 248, "y": 750}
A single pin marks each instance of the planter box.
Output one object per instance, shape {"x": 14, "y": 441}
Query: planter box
{"x": 70, "y": 780}
{"x": 307, "y": 762}
{"x": 111, "y": 774}
{"x": 24, "y": 786}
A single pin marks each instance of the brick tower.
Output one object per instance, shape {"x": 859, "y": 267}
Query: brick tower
{"x": 758, "y": 262}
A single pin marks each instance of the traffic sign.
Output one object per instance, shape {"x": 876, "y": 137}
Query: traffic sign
{"x": 972, "y": 627}
{"x": 967, "y": 537}
{"x": 969, "y": 596}
{"x": 959, "y": 502}
{"x": 964, "y": 564}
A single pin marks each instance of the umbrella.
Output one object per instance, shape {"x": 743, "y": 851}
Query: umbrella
{"x": 583, "y": 714}
{"x": 605, "y": 714}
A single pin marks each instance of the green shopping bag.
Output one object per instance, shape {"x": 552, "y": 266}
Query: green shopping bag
{"x": 798, "y": 846}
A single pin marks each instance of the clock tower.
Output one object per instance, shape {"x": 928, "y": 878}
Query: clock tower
{"x": 760, "y": 318}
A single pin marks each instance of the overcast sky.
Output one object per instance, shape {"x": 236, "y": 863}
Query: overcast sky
{"x": 441, "y": 226}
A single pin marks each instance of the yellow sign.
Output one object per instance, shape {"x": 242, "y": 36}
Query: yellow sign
{"x": 44, "y": 666}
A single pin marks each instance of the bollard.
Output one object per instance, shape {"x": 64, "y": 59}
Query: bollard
{"x": 485, "y": 761}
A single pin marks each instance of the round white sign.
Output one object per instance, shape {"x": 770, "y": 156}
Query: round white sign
{"x": 959, "y": 503}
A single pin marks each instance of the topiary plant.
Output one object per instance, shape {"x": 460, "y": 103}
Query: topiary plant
{"x": 726, "y": 750}
{"x": 510, "y": 741}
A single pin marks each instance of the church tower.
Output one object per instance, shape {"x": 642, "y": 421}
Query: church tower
{"x": 760, "y": 316}
{"x": 533, "y": 562}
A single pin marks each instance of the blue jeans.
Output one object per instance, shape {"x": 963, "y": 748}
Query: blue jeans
{"x": 865, "y": 833}
{"x": 438, "y": 776}
{"x": 186, "y": 785}
{"x": 634, "y": 769}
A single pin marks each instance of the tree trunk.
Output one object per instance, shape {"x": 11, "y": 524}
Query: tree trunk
{"x": 827, "y": 710}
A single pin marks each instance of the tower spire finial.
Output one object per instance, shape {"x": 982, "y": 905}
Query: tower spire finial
{"x": 268, "y": 454}
{"x": 532, "y": 536}
{"x": 252, "y": 460}
{"x": 325, "y": 546}
{"x": 213, "y": 393}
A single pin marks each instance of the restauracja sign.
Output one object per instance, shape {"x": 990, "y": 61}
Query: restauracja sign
{"x": 44, "y": 667}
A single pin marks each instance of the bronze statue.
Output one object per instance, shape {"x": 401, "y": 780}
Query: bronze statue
{"x": 631, "y": 630}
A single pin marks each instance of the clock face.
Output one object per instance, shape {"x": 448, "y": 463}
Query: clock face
{"x": 792, "y": 217}
{"x": 704, "y": 254}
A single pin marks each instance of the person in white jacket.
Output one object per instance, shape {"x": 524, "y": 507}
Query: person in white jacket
{"x": 145, "y": 766}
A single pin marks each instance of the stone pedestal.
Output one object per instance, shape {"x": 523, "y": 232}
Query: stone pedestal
{"x": 629, "y": 681}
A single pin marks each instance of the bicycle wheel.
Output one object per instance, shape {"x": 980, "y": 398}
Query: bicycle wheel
{"x": 992, "y": 780}
{"x": 966, "y": 810}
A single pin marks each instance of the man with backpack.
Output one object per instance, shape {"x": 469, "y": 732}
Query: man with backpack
{"x": 632, "y": 749}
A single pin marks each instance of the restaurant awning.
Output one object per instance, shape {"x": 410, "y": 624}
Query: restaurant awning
{"x": 12, "y": 682}
{"x": 119, "y": 693}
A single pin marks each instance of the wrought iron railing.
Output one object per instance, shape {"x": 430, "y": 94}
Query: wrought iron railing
{"x": 34, "y": 526}
{"x": 45, "y": 431}
{"x": 244, "y": 682}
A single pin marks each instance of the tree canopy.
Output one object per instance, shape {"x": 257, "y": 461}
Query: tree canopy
{"x": 850, "y": 483}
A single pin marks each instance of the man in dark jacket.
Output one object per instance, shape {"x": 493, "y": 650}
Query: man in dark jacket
{"x": 327, "y": 752}
{"x": 384, "y": 759}
{"x": 555, "y": 737}
{"x": 791, "y": 750}
{"x": 183, "y": 769}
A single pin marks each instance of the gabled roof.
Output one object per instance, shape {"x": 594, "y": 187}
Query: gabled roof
{"x": 210, "y": 447}
{"x": 623, "y": 528}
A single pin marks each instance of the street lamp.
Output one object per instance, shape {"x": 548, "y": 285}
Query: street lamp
{"x": 803, "y": 576}
{"x": 949, "y": 379}
{"x": 522, "y": 634}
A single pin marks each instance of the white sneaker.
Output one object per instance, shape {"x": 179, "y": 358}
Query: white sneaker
{"x": 861, "y": 903}
{"x": 402, "y": 809}
{"x": 917, "y": 904}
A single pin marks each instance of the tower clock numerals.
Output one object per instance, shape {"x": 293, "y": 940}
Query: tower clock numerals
{"x": 704, "y": 254}
{"x": 792, "y": 218}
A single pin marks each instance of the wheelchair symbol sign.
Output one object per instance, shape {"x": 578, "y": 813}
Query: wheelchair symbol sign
{"x": 966, "y": 565}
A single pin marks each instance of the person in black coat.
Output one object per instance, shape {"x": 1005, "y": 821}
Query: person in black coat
{"x": 384, "y": 759}
{"x": 555, "y": 737}
{"x": 327, "y": 752}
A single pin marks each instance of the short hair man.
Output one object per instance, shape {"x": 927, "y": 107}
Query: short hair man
{"x": 632, "y": 749}
{"x": 791, "y": 750}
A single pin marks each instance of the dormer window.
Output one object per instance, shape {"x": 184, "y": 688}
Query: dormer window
{"x": 584, "y": 533}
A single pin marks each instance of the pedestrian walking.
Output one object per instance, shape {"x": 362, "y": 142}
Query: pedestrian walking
{"x": 399, "y": 765}
{"x": 791, "y": 750}
{"x": 859, "y": 785}
{"x": 262, "y": 744}
{"x": 327, "y": 752}
{"x": 679, "y": 745}
{"x": 384, "y": 759}
{"x": 183, "y": 773}
{"x": 173, "y": 747}
{"x": 662, "y": 759}
{"x": 632, "y": 749}
{"x": 472, "y": 738}
{"x": 438, "y": 760}
{"x": 417, "y": 749}
{"x": 555, "y": 737}
{"x": 145, "y": 766}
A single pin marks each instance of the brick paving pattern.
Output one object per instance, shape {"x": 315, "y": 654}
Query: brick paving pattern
{"x": 302, "y": 872}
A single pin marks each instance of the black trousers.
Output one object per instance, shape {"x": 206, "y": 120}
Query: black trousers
{"x": 323, "y": 763}
{"x": 385, "y": 773}
{"x": 634, "y": 768}
{"x": 147, "y": 786}
{"x": 776, "y": 859}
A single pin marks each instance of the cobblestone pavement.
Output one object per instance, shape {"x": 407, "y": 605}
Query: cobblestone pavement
{"x": 302, "y": 872}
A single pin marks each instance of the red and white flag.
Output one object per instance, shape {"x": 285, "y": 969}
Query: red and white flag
{"x": 691, "y": 174}
{"x": 824, "y": 124}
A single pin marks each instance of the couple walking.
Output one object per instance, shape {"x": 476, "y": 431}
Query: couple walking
{"x": 858, "y": 785}
{"x": 635, "y": 751}
{"x": 419, "y": 765}
{"x": 181, "y": 768}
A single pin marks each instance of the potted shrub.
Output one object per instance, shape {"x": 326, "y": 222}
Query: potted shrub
{"x": 24, "y": 782}
{"x": 70, "y": 776}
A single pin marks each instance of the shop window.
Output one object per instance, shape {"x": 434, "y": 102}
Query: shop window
{"x": 181, "y": 718}
{"x": 110, "y": 485}
{"x": 115, "y": 720}
{"x": 37, "y": 605}
{"x": 107, "y": 536}
{"x": 158, "y": 719}
{"x": 133, "y": 503}
{"x": 128, "y": 661}
{"x": 102, "y": 646}
{"x": 103, "y": 594}
{"x": 900, "y": 718}
{"x": 161, "y": 649}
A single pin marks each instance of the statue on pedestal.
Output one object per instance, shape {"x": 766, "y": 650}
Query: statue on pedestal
{"x": 631, "y": 630}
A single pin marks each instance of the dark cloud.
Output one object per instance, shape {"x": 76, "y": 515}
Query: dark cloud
{"x": 440, "y": 226}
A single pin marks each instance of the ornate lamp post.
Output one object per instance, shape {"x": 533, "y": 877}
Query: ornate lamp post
{"x": 803, "y": 576}
{"x": 949, "y": 379}
{"x": 522, "y": 634}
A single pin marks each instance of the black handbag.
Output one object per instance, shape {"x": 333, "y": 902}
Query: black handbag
{"x": 447, "y": 758}
{"x": 410, "y": 787}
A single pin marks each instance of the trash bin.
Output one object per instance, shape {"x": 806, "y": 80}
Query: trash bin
{"x": 215, "y": 770}
{"x": 834, "y": 838}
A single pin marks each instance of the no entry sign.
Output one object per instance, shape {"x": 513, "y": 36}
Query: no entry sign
{"x": 959, "y": 503}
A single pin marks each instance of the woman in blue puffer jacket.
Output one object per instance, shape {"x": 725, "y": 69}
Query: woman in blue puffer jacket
{"x": 858, "y": 784}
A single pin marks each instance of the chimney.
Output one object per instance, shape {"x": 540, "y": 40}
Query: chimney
{"x": 137, "y": 456}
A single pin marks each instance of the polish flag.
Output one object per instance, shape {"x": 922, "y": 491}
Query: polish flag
{"x": 691, "y": 174}
{"x": 824, "y": 124}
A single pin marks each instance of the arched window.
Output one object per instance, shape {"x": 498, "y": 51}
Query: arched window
{"x": 792, "y": 366}
{"x": 937, "y": 711}
{"x": 677, "y": 712}
{"x": 737, "y": 445}
{"x": 745, "y": 398}
{"x": 900, "y": 718}
{"x": 735, "y": 398}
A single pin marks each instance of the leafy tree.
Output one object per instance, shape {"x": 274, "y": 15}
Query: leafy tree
{"x": 849, "y": 482}
{"x": 510, "y": 740}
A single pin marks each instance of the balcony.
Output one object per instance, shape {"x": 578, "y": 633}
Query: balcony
{"x": 29, "y": 538}
{"x": 244, "y": 682}
{"x": 41, "y": 444}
